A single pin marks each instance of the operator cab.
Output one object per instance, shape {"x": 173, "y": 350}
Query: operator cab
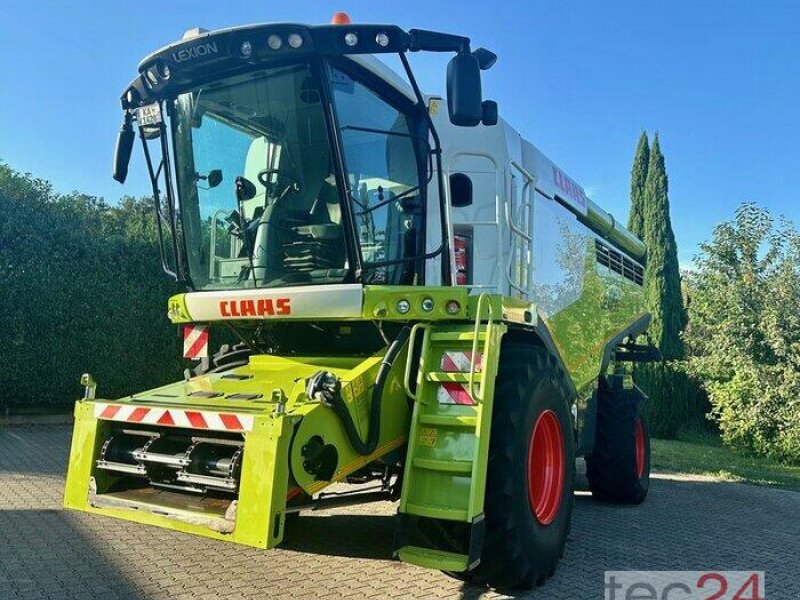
{"x": 277, "y": 218}
{"x": 286, "y": 161}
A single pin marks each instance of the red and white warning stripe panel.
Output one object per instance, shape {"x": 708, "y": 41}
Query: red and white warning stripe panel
{"x": 458, "y": 362}
{"x": 454, "y": 361}
{"x": 454, "y": 393}
{"x": 174, "y": 417}
{"x": 195, "y": 341}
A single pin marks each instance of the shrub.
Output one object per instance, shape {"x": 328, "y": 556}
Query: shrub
{"x": 676, "y": 401}
{"x": 744, "y": 331}
{"x": 82, "y": 291}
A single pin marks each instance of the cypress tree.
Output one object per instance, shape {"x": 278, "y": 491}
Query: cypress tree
{"x": 673, "y": 401}
{"x": 638, "y": 178}
{"x": 662, "y": 272}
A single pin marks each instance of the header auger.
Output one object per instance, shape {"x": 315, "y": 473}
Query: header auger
{"x": 422, "y": 299}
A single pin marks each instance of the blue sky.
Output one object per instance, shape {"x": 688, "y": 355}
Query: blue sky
{"x": 581, "y": 79}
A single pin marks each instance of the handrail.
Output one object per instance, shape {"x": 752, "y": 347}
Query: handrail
{"x": 471, "y": 385}
{"x": 509, "y": 220}
{"x": 525, "y": 172}
{"x": 525, "y": 214}
{"x": 524, "y": 211}
{"x": 407, "y": 375}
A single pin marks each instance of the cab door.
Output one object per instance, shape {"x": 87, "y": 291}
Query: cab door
{"x": 474, "y": 197}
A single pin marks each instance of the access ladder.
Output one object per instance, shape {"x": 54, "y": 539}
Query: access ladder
{"x": 441, "y": 506}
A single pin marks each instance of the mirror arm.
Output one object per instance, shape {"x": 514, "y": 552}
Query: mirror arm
{"x": 435, "y": 41}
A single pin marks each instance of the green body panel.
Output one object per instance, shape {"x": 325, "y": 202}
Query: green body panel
{"x": 447, "y": 453}
{"x": 81, "y": 456}
{"x": 357, "y": 385}
{"x": 607, "y": 306}
{"x": 272, "y": 450}
{"x": 379, "y": 302}
{"x": 433, "y": 559}
{"x": 259, "y": 517}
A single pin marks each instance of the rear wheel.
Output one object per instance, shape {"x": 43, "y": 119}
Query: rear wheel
{"x": 528, "y": 502}
{"x": 618, "y": 469}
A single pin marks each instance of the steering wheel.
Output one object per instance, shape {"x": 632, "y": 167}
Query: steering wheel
{"x": 281, "y": 184}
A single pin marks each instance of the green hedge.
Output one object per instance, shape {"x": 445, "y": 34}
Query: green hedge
{"x": 676, "y": 401}
{"x": 81, "y": 290}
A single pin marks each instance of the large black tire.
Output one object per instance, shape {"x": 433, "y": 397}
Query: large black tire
{"x": 520, "y": 551}
{"x": 613, "y": 470}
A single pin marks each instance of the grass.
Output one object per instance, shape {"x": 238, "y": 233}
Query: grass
{"x": 704, "y": 454}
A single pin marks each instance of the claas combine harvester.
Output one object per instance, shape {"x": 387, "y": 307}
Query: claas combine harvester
{"x": 419, "y": 298}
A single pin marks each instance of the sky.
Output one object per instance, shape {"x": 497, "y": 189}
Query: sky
{"x": 581, "y": 79}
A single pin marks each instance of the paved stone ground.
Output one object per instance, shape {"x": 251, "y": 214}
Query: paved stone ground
{"x": 46, "y": 552}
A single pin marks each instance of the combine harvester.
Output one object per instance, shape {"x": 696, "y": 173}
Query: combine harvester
{"x": 421, "y": 300}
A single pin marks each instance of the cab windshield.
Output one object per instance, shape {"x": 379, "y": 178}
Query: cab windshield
{"x": 260, "y": 200}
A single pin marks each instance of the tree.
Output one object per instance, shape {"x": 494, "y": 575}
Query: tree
{"x": 672, "y": 403}
{"x": 744, "y": 332}
{"x": 662, "y": 272}
{"x": 638, "y": 178}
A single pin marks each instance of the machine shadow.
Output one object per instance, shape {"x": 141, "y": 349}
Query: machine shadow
{"x": 82, "y": 564}
{"x": 368, "y": 536}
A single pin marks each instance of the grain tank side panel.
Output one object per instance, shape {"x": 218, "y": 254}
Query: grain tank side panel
{"x": 586, "y": 288}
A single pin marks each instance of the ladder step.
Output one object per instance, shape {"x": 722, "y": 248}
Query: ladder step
{"x": 449, "y": 420}
{"x": 437, "y": 512}
{"x": 442, "y": 377}
{"x": 457, "y": 336}
{"x": 456, "y": 467}
{"x": 433, "y": 559}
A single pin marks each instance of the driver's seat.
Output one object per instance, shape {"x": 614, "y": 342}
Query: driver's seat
{"x": 318, "y": 249}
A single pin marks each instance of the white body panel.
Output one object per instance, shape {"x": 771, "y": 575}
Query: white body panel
{"x": 306, "y": 302}
{"x": 510, "y": 176}
{"x": 523, "y": 204}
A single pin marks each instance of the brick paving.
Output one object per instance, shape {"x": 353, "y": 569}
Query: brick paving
{"x": 47, "y": 552}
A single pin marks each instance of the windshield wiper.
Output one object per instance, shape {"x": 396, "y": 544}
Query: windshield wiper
{"x": 369, "y": 209}
{"x": 373, "y": 130}
{"x": 386, "y": 263}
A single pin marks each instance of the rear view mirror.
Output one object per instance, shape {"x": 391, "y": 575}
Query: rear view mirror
{"x": 123, "y": 149}
{"x": 489, "y": 112}
{"x": 214, "y": 178}
{"x": 464, "y": 90}
{"x": 245, "y": 189}
{"x": 486, "y": 58}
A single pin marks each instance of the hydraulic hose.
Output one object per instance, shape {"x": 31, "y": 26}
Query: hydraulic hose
{"x": 327, "y": 388}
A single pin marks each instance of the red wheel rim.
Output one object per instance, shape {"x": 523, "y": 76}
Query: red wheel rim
{"x": 546, "y": 467}
{"x": 639, "y": 448}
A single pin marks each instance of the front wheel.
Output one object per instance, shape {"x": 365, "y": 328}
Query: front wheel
{"x": 528, "y": 502}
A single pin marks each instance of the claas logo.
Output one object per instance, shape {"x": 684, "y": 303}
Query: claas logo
{"x": 255, "y": 308}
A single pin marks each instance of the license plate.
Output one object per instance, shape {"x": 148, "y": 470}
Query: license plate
{"x": 148, "y": 115}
